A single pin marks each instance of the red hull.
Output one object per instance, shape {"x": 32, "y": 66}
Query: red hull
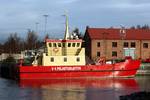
{"x": 123, "y": 69}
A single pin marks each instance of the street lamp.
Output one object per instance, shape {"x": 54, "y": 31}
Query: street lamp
{"x": 36, "y": 27}
{"x": 45, "y": 23}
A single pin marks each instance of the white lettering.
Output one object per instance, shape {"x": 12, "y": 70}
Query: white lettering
{"x": 65, "y": 68}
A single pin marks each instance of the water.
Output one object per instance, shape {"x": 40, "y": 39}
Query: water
{"x": 72, "y": 89}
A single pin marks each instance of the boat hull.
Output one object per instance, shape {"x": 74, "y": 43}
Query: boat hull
{"x": 123, "y": 69}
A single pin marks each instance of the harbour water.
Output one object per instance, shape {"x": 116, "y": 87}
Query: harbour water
{"x": 72, "y": 89}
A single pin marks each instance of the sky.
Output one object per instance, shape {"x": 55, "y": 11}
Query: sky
{"x": 20, "y": 15}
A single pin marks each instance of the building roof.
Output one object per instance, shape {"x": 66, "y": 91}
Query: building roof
{"x": 114, "y": 34}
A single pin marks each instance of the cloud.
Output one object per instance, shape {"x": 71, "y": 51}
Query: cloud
{"x": 19, "y": 15}
{"x": 67, "y": 1}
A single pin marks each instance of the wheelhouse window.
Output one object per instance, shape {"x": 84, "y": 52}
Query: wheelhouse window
{"x": 98, "y": 44}
{"x": 145, "y": 45}
{"x": 65, "y": 59}
{"x": 133, "y": 45}
{"x": 59, "y": 44}
{"x": 54, "y": 45}
{"x": 126, "y": 44}
{"x": 73, "y": 44}
{"x": 69, "y": 44}
{"x": 78, "y": 59}
{"x": 63, "y": 44}
{"x": 78, "y": 44}
{"x": 98, "y": 54}
{"x": 50, "y": 45}
{"x": 52, "y": 59}
{"x": 114, "y": 44}
{"x": 114, "y": 53}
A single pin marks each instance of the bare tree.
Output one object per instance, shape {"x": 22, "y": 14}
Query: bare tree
{"x": 31, "y": 40}
{"x": 12, "y": 44}
{"x": 79, "y": 34}
{"x": 1, "y": 48}
{"x": 146, "y": 26}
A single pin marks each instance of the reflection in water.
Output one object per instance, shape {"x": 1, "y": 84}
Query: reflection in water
{"x": 81, "y": 82}
{"x": 79, "y": 89}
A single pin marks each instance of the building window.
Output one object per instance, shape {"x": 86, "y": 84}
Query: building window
{"x": 126, "y": 44}
{"x": 132, "y": 44}
{"x": 98, "y": 54}
{"x": 98, "y": 44}
{"x": 114, "y": 44}
{"x": 65, "y": 59}
{"x": 52, "y": 59}
{"x": 78, "y": 59}
{"x": 114, "y": 53}
{"x": 145, "y": 45}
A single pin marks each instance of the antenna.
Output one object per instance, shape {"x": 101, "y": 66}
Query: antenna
{"x": 122, "y": 32}
{"x": 67, "y": 26}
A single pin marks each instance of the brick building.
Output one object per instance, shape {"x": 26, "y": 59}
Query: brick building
{"x": 113, "y": 42}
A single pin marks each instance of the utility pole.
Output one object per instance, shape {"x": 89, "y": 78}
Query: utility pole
{"x": 46, "y": 16}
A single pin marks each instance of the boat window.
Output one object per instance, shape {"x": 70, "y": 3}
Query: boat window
{"x": 65, "y": 59}
{"x": 52, "y": 59}
{"x": 78, "y": 44}
{"x": 54, "y": 45}
{"x": 29, "y": 53}
{"x": 78, "y": 59}
{"x": 25, "y": 54}
{"x": 63, "y": 44}
{"x": 73, "y": 44}
{"x": 59, "y": 44}
{"x": 50, "y": 45}
{"x": 69, "y": 44}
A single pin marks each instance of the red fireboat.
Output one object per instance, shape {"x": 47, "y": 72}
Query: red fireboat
{"x": 65, "y": 58}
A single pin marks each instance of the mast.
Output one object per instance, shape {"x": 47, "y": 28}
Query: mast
{"x": 67, "y": 28}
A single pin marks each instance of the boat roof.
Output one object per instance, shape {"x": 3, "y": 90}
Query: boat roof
{"x": 70, "y": 40}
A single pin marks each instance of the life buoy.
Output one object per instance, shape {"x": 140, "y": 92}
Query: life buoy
{"x": 55, "y": 50}
{"x": 102, "y": 60}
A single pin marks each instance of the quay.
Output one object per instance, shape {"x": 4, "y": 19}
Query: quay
{"x": 144, "y": 69}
